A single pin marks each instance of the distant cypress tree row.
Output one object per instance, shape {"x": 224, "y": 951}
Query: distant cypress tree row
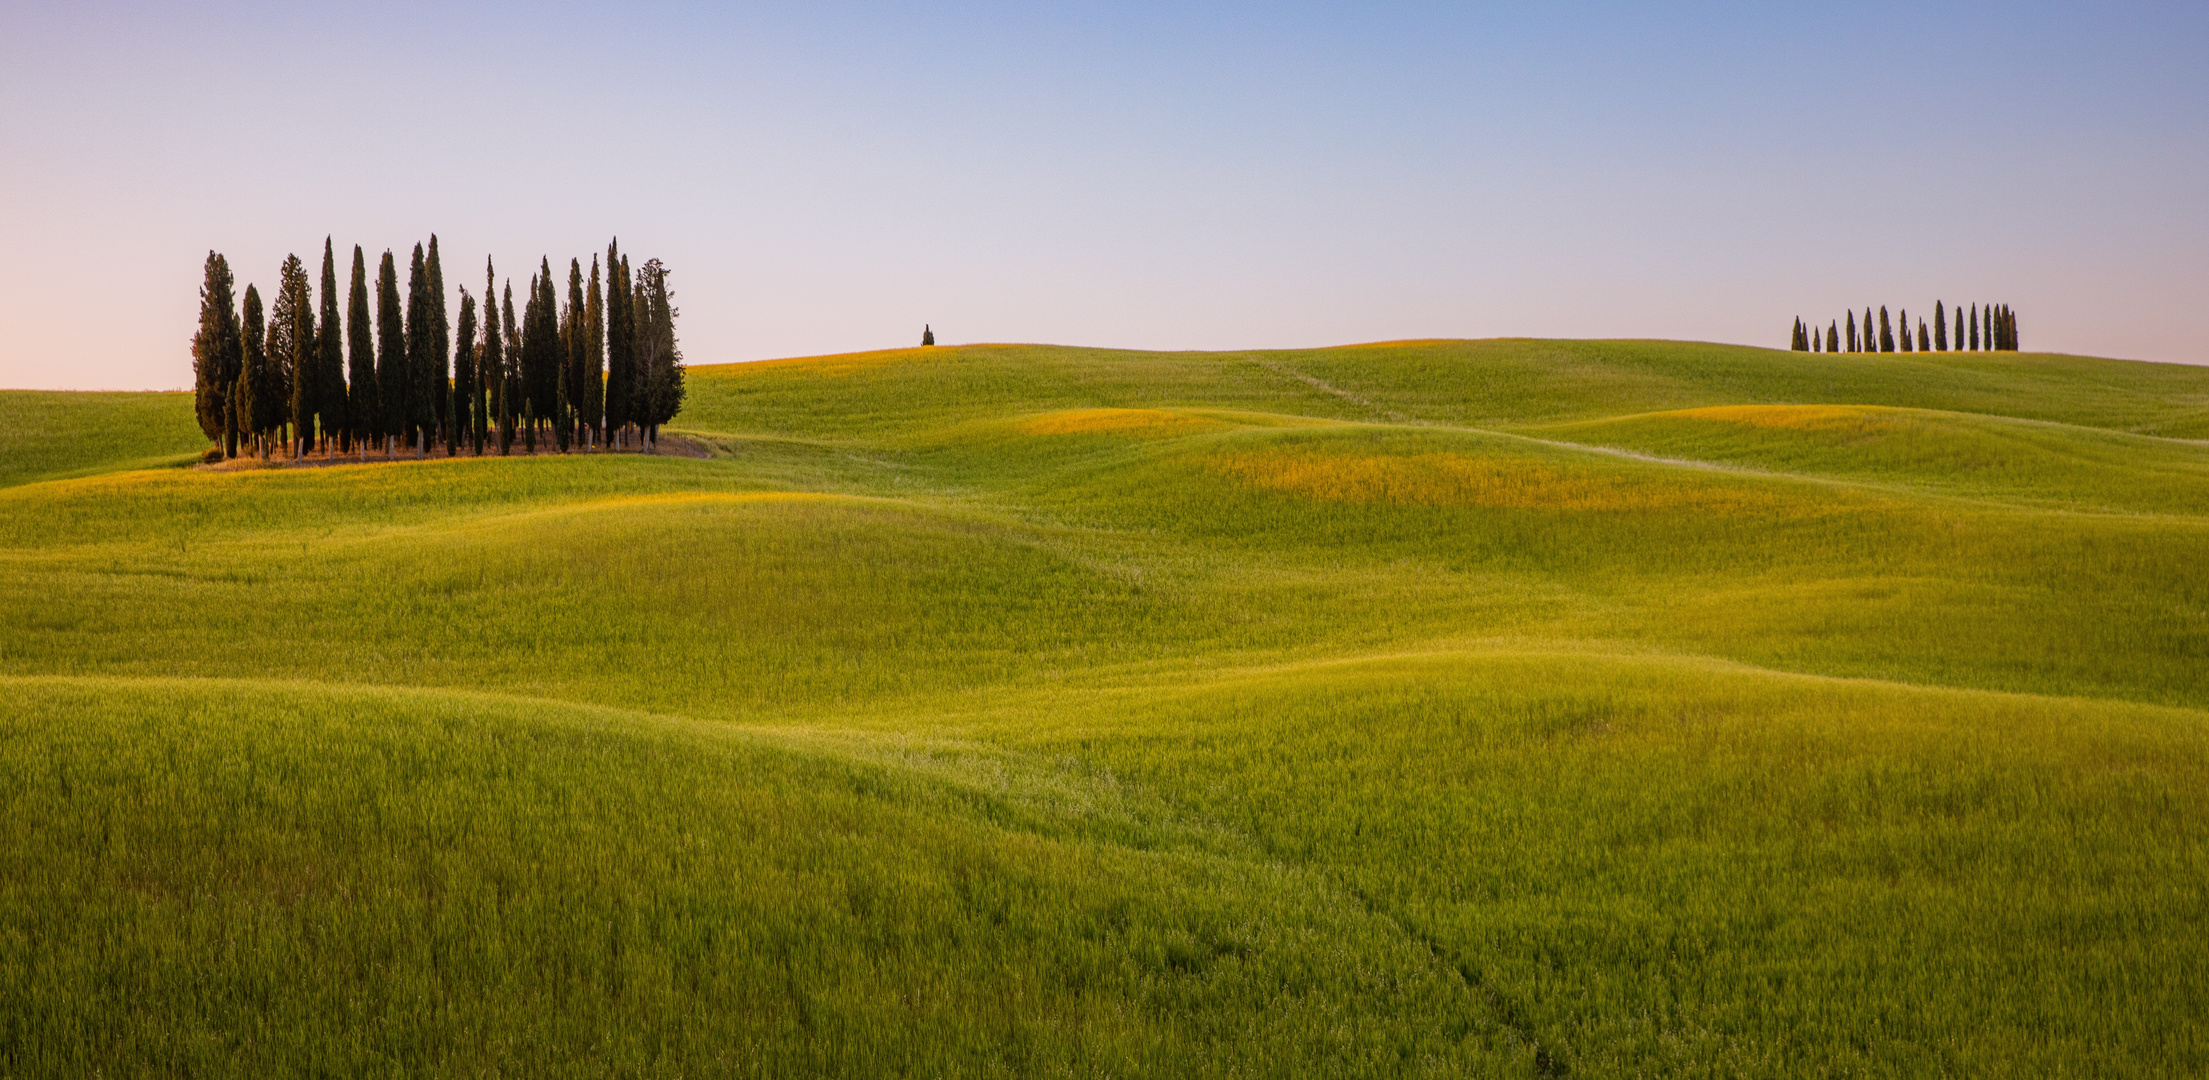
{"x": 245, "y": 406}
{"x": 391, "y": 358}
{"x": 466, "y": 424}
{"x": 364, "y": 414}
{"x": 217, "y": 355}
{"x": 330, "y": 364}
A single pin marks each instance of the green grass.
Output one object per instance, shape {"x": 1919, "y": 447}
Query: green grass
{"x": 1452, "y": 708}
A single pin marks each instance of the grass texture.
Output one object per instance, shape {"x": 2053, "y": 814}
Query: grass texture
{"x": 1510, "y": 708}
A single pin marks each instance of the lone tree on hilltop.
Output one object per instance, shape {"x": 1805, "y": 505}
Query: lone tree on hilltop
{"x": 363, "y": 415}
{"x": 216, "y": 355}
{"x": 391, "y": 357}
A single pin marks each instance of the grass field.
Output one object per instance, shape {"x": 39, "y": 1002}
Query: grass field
{"x": 1509, "y": 708}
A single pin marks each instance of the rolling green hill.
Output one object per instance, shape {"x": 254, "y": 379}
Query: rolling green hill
{"x": 1424, "y": 708}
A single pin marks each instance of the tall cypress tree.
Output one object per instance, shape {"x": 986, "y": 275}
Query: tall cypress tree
{"x": 1852, "y": 329}
{"x": 217, "y": 354}
{"x": 1904, "y": 322}
{"x": 245, "y": 402}
{"x": 441, "y": 385}
{"x": 421, "y": 415}
{"x": 465, "y": 424}
{"x": 364, "y": 411}
{"x": 490, "y": 360}
{"x": 1886, "y": 330}
{"x": 594, "y": 359}
{"x": 300, "y": 339}
{"x": 1940, "y": 327}
{"x": 1833, "y": 337}
{"x": 1974, "y": 328}
{"x": 330, "y": 349}
{"x": 1925, "y": 342}
{"x": 283, "y": 322}
{"x": 618, "y": 346}
{"x": 663, "y": 375}
{"x": 391, "y": 357}
{"x": 510, "y": 374}
{"x": 573, "y": 330}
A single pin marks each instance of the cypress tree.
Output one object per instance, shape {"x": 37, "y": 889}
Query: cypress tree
{"x": 1833, "y": 337}
{"x": 1974, "y": 328}
{"x": 330, "y": 365}
{"x": 272, "y": 398}
{"x": 1925, "y": 342}
{"x": 594, "y": 359}
{"x": 391, "y": 357}
{"x": 363, "y": 415}
{"x": 1852, "y": 329}
{"x": 619, "y": 346}
{"x": 573, "y": 330}
{"x": 927, "y": 335}
{"x": 2012, "y": 317}
{"x": 245, "y": 403}
{"x": 490, "y": 361}
{"x": 1905, "y": 323}
{"x": 441, "y": 385}
{"x": 1886, "y": 330}
{"x": 216, "y": 354}
{"x": 1940, "y": 327}
{"x": 1796, "y": 340}
{"x": 656, "y": 339}
{"x": 510, "y": 379}
{"x": 465, "y": 425}
{"x": 421, "y": 416}
{"x": 1959, "y": 316}
{"x": 300, "y": 339}
{"x": 531, "y": 354}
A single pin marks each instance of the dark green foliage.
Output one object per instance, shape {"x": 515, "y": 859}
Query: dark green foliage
{"x": 1852, "y": 329}
{"x": 510, "y": 381}
{"x": 364, "y": 411}
{"x": 1940, "y": 326}
{"x": 620, "y": 343}
{"x": 572, "y": 333}
{"x": 1907, "y": 344}
{"x": 1797, "y": 341}
{"x": 421, "y": 414}
{"x": 659, "y": 357}
{"x": 928, "y": 334}
{"x": 216, "y": 354}
{"x": 391, "y": 355}
{"x": 440, "y": 374}
{"x": 467, "y": 423}
{"x": 331, "y": 407}
{"x": 1974, "y": 328}
{"x": 304, "y": 349}
{"x": 246, "y": 405}
{"x": 593, "y": 400}
{"x": 1925, "y": 343}
{"x": 1886, "y": 330}
{"x": 1833, "y": 337}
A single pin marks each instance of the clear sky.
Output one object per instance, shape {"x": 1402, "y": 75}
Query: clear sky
{"x": 826, "y": 177}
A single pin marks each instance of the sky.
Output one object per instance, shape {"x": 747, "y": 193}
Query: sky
{"x": 829, "y": 177}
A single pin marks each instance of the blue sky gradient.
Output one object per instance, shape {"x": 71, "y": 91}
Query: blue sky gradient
{"x": 828, "y": 177}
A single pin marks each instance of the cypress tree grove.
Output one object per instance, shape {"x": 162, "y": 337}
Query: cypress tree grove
{"x": 391, "y": 357}
{"x": 364, "y": 402}
{"x": 1907, "y": 344}
{"x": 619, "y": 346}
{"x": 1886, "y": 330}
{"x": 1833, "y": 337}
{"x": 594, "y": 359}
{"x": 306, "y": 354}
{"x": 1940, "y": 327}
{"x": 330, "y": 355}
{"x": 216, "y": 354}
{"x": 441, "y": 384}
{"x": 245, "y": 404}
{"x": 421, "y": 415}
{"x": 467, "y": 425}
